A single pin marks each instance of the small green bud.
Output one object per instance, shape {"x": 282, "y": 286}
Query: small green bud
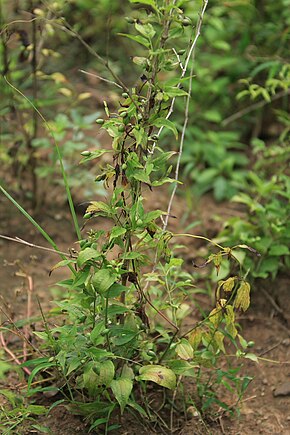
{"x": 181, "y": 52}
{"x": 125, "y": 95}
{"x": 251, "y": 343}
{"x": 130, "y": 20}
{"x": 139, "y": 222}
{"x": 151, "y": 353}
{"x": 87, "y": 215}
{"x": 123, "y": 114}
{"x": 100, "y": 121}
{"x": 124, "y": 166}
{"x": 86, "y": 153}
{"x": 186, "y": 22}
{"x": 121, "y": 128}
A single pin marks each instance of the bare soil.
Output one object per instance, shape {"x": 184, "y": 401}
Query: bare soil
{"x": 265, "y": 407}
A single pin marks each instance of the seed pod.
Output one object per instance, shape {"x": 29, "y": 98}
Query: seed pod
{"x": 87, "y": 215}
{"x": 86, "y": 153}
{"x": 125, "y": 95}
{"x": 100, "y": 121}
{"x": 124, "y": 166}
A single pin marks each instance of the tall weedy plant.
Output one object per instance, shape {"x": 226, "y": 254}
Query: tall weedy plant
{"x": 117, "y": 337}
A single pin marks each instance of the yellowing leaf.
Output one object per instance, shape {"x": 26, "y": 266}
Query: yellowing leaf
{"x": 242, "y": 300}
{"x": 195, "y": 338}
{"x": 184, "y": 349}
{"x": 158, "y": 374}
{"x": 230, "y": 321}
{"x": 219, "y": 339}
{"x": 65, "y": 91}
{"x": 228, "y": 285}
{"x": 215, "y": 317}
{"x": 58, "y": 77}
{"x": 99, "y": 207}
{"x": 84, "y": 96}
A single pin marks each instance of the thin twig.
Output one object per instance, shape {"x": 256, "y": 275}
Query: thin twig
{"x": 26, "y": 329}
{"x": 100, "y": 78}
{"x": 271, "y": 300}
{"x": 184, "y": 68}
{"x": 32, "y": 245}
{"x": 255, "y": 106}
{"x": 13, "y": 356}
{"x": 271, "y": 348}
{"x": 190, "y": 55}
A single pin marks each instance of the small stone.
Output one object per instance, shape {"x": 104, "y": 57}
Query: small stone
{"x": 286, "y": 342}
{"x": 265, "y": 381}
{"x": 282, "y": 390}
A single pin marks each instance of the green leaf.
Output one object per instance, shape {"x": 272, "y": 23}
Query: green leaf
{"x": 159, "y": 374}
{"x": 96, "y": 332}
{"x": 107, "y": 372}
{"x": 146, "y": 2}
{"x": 61, "y": 263}
{"x": 94, "y": 155}
{"x": 115, "y": 290}
{"x": 162, "y": 122}
{"x": 122, "y": 388}
{"x": 74, "y": 363}
{"x": 103, "y": 279}
{"x": 174, "y": 92}
{"x": 146, "y": 30}
{"x": 137, "y": 38}
{"x": 252, "y": 357}
{"x": 117, "y": 232}
{"x": 279, "y": 250}
{"x": 184, "y": 349}
{"x": 86, "y": 255}
{"x": 37, "y": 409}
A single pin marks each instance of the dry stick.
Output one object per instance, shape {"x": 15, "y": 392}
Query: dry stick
{"x": 190, "y": 55}
{"x": 100, "y": 78}
{"x": 255, "y": 106}
{"x": 184, "y": 68}
{"x": 32, "y": 245}
{"x": 28, "y": 313}
{"x": 13, "y": 356}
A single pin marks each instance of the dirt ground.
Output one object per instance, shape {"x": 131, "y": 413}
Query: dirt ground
{"x": 265, "y": 408}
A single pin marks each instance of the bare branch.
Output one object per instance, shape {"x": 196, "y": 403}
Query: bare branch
{"x": 100, "y": 78}
{"x": 32, "y": 245}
